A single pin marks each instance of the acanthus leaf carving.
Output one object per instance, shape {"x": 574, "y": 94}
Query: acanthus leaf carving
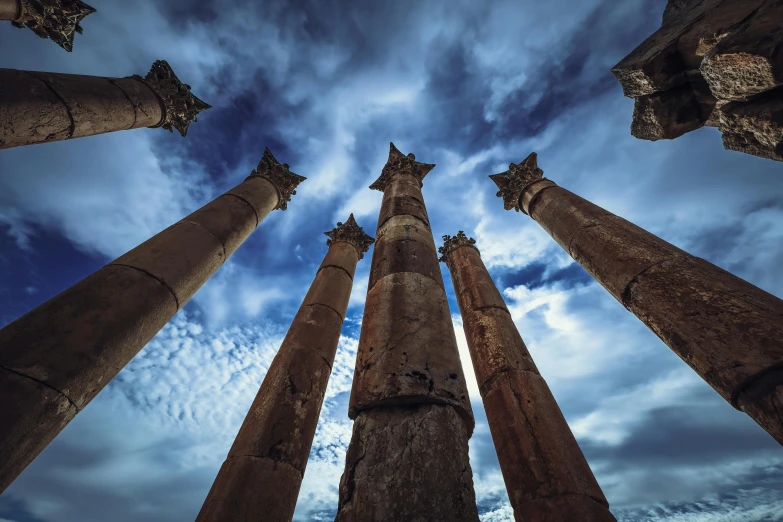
{"x": 516, "y": 179}
{"x": 350, "y": 232}
{"x": 452, "y": 242}
{"x": 280, "y": 176}
{"x": 180, "y": 106}
{"x": 397, "y": 163}
{"x": 57, "y": 20}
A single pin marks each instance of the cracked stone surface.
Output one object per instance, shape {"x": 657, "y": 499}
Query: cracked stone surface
{"x": 546, "y": 474}
{"x": 264, "y": 468}
{"x": 707, "y": 54}
{"x": 723, "y": 327}
{"x": 408, "y": 459}
{"x": 408, "y": 463}
{"x": 40, "y": 107}
{"x": 76, "y": 342}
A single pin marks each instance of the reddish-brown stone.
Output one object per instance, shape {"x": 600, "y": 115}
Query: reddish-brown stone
{"x": 270, "y": 502}
{"x": 278, "y": 431}
{"x": 729, "y": 331}
{"x": 408, "y": 458}
{"x": 76, "y": 342}
{"x": 708, "y": 53}
{"x": 404, "y": 244}
{"x": 546, "y": 475}
{"x": 408, "y": 463}
{"x": 407, "y": 348}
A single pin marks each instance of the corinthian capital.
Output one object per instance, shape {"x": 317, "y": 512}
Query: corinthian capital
{"x": 180, "y": 106}
{"x": 352, "y": 233}
{"x": 280, "y": 176}
{"x": 514, "y": 181}
{"x": 55, "y": 19}
{"x": 400, "y": 163}
{"x": 452, "y": 242}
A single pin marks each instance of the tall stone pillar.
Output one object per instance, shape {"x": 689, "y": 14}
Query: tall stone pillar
{"x": 37, "y": 107}
{"x": 546, "y": 475}
{"x": 408, "y": 457}
{"x": 55, "y": 19}
{"x": 261, "y": 476}
{"x": 729, "y": 331}
{"x": 56, "y": 358}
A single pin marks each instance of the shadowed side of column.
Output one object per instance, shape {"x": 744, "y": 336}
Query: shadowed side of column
{"x": 545, "y": 472}
{"x": 39, "y": 107}
{"x": 263, "y": 472}
{"x": 408, "y": 457}
{"x": 729, "y": 331}
{"x": 56, "y": 358}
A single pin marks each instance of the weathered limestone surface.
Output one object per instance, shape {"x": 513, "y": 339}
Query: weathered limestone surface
{"x": 729, "y": 331}
{"x": 70, "y": 347}
{"x": 706, "y": 54}
{"x": 408, "y": 458}
{"x": 262, "y": 474}
{"x": 39, "y": 107}
{"x": 9, "y": 9}
{"x": 546, "y": 475}
{"x": 55, "y": 19}
{"x": 408, "y": 463}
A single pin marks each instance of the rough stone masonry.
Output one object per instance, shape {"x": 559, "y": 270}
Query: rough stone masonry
{"x": 713, "y": 62}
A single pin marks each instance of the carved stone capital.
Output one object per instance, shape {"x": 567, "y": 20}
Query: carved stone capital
{"x": 280, "y": 176}
{"x": 514, "y": 181}
{"x": 400, "y": 163}
{"x": 55, "y": 19}
{"x": 352, "y": 233}
{"x": 452, "y": 242}
{"x": 180, "y": 107}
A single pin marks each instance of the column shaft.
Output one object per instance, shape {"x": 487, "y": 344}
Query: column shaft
{"x": 9, "y": 9}
{"x": 546, "y": 474}
{"x": 263, "y": 472}
{"x": 408, "y": 458}
{"x": 729, "y": 331}
{"x": 39, "y": 107}
{"x": 56, "y": 358}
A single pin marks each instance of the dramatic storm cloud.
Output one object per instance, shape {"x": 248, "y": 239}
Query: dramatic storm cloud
{"x": 471, "y": 86}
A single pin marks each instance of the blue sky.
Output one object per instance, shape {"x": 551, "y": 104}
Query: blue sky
{"x": 327, "y": 85}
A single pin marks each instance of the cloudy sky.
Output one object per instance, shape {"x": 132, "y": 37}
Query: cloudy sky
{"x": 327, "y": 85}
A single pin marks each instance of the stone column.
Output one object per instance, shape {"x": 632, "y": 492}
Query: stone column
{"x": 55, "y": 19}
{"x": 408, "y": 457}
{"x": 261, "y": 476}
{"x": 729, "y": 331}
{"x": 546, "y": 475}
{"x": 38, "y": 107}
{"x": 56, "y": 358}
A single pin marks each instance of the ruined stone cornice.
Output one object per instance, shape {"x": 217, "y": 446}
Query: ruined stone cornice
{"x": 516, "y": 179}
{"x": 350, "y": 232}
{"x": 180, "y": 106}
{"x": 55, "y": 19}
{"x": 280, "y": 176}
{"x": 400, "y": 163}
{"x": 450, "y": 243}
